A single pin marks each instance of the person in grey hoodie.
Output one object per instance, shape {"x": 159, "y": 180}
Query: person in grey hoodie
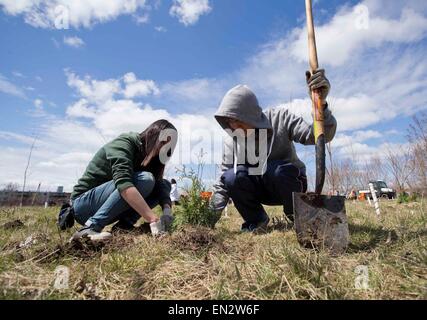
{"x": 260, "y": 165}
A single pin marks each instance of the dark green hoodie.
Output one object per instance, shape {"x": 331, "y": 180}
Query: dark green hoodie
{"x": 117, "y": 161}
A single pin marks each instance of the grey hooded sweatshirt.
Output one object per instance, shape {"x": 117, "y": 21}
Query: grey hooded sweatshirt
{"x": 284, "y": 129}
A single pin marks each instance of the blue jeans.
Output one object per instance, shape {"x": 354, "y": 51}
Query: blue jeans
{"x": 275, "y": 187}
{"x": 104, "y": 205}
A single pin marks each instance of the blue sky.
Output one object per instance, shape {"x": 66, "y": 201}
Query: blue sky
{"x": 122, "y": 65}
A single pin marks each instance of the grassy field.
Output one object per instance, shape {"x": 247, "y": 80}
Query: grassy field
{"x": 222, "y": 264}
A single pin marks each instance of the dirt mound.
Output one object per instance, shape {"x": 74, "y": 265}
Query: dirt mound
{"x": 83, "y": 249}
{"x": 15, "y": 224}
{"x": 195, "y": 239}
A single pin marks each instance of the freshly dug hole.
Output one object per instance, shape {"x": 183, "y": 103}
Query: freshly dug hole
{"x": 195, "y": 239}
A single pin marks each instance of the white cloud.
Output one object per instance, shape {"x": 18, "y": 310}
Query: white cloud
{"x": 62, "y": 151}
{"x": 81, "y": 13}
{"x": 139, "y": 88}
{"x": 195, "y": 93}
{"x": 18, "y": 74}
{"x": 160, "y": 29}
{"x": 189, "y": 12}
{"x": 81, "y": 109}
{"x": 93, "y": 90}
{"x": 4, "y": 135}
{"x": 361, "y": 153}
{"x": 38, "y": 103}
{"x": 126, "y": 115}
{"x": 344, "y": 140}
{"x": 343, "y": 37}
{"x": 9, "y": 88}
{"x": 142, "y": 19}
{"x": 74, "y": 42}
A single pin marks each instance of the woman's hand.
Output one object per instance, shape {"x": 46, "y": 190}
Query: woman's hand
{"x": 137, "y": 202}
{"x": 157, "y": 229}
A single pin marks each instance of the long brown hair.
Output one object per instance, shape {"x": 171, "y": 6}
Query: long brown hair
{"x": 152, "y": 146}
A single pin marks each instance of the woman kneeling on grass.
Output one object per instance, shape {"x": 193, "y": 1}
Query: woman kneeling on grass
{"x": 124, "y": 182}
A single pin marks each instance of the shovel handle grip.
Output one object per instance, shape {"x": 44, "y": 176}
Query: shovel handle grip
{"x": 318, "y": 115}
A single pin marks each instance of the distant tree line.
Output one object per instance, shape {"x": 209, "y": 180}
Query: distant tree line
{"x": 404, "y": 169}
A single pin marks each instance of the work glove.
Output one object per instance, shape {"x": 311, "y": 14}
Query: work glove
{"x": 217, "y": 211}
{"x": 157, "y": 229}
{"x": 167, "y": 218}
{"x": 318, "y": 81}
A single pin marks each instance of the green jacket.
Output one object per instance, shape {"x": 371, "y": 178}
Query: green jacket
{"x": 118, "y": 160}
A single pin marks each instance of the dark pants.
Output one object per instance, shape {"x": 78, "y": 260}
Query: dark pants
{"x": 274, "y": 188}
{"x": 104, "y": 205}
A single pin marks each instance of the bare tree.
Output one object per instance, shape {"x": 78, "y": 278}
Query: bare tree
{"x": 26, "y": 170}
{"x": 399, "y": 166}
{"x": 348, "y": 173}
{"x": 374, "y": 169}
{"x": 417, "y": 137}
{"x": 11, "y": 187}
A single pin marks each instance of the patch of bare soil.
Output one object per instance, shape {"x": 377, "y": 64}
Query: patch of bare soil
{"x": 11, "y": 225}
{"x": 82, "y": 249}
{"x": 196, "y": 239}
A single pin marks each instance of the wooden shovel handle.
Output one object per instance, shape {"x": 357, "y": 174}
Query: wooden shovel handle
{"x": 314, "y": 65}
{"x": 312, "y": 49}
{"x": 318, "y": 109}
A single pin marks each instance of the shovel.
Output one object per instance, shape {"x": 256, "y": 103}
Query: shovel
{"x": 320, "y": 221}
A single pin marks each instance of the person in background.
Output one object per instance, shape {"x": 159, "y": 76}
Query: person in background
{"x": 124, "y": 182}
{"x": 174, "y": 195}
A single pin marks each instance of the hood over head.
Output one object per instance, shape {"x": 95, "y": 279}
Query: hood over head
{"x": 240, "y": 103}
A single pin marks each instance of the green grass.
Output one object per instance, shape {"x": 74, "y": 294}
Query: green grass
{"x": 198, "y": 263}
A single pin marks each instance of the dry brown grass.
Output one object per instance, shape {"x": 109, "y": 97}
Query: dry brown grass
{"x": 198, "y": 263}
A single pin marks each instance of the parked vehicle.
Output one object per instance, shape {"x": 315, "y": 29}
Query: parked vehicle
{"x": 381, "y": 190}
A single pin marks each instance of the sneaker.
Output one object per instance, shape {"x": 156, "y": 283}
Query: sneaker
{"x": 87, "y": 232}
{"x": 260, "y": 227}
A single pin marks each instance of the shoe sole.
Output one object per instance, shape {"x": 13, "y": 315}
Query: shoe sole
{"x": 103, "y": 236}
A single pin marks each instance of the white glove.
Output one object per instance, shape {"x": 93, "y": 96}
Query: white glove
{"x": 167, "y": 218}
{"x": 157, "y": 228}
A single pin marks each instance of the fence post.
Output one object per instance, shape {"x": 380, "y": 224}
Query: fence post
{"x": 374, "y": 196}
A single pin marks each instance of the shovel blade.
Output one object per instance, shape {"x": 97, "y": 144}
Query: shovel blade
{"x": 321, "y": 222}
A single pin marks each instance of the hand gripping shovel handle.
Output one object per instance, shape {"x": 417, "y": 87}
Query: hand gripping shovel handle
{"x": 318, "y": 116}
